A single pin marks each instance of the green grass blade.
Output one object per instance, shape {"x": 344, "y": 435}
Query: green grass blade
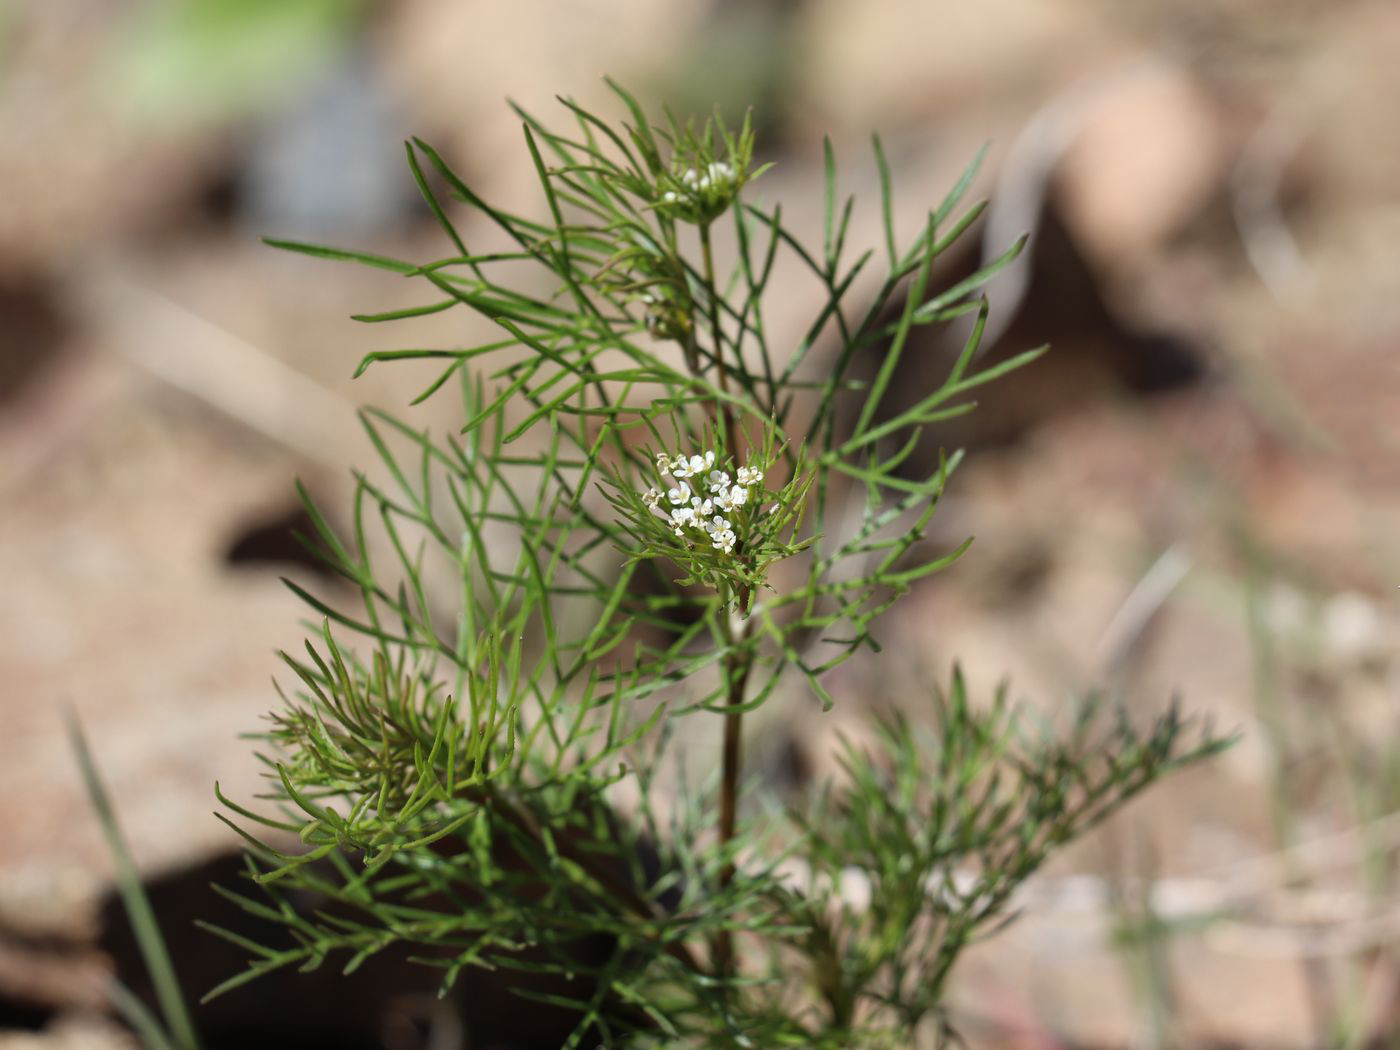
{"x": 138, "y": 1018}
{"x": 138, "y": 906}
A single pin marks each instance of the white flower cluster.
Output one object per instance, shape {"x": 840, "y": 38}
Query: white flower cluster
{"x": 717, "y": 175}
{"x": 704, "y": 506}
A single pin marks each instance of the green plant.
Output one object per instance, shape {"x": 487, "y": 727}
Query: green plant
{"x": 652, "y": 517}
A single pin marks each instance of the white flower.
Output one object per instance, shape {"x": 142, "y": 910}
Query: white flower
{"x": 651, "y": 497}
{"x": 679, "y": 495}
{"x": 750, "y": 476}
{"x": 682, "y": 516}
{"x": 682, "y": 467}
{"x": 704, "y": 508}
{"x": 718, "y": 481}
{"x": 724, "y": 540}
{"x": 731, "y": 499}
{"x": 663, "y": 463}
{"x": 717, "y": 525}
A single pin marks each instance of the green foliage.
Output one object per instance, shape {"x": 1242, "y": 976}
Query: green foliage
{"x": 939, "y": 829}
{"x": 480, "y": 772}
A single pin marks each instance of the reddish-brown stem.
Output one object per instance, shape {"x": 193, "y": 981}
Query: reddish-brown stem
{"x": 736, "y": 668}
{"x": 739, "y": 661}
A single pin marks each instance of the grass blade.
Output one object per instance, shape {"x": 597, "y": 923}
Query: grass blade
{"x": 138, "y": 906}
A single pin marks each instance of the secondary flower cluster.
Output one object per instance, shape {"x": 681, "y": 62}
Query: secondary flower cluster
{"x": 717, "y": 175}
{"x": 701, "y": 497}
{"x": 701, "y": 194}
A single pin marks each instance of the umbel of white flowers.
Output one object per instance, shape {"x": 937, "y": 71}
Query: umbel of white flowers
{"x": 695, "y": 507}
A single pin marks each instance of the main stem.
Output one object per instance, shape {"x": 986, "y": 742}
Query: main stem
{"x": 736, "y": 669}
{"x": 738, "y": 662}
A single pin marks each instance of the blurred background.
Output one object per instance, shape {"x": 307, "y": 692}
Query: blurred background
{"x": 1197, "y": 493}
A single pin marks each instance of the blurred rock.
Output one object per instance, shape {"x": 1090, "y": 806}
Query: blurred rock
{"x": 1146, "y": 159}
{"x": 329, "y": 167}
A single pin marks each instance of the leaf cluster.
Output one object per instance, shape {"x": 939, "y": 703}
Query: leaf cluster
{"x": 921, "y": 849}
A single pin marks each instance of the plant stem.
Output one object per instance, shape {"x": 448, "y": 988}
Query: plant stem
{"x": 716, "y": 341}
{"x": 726, "y": 412}
{"x": 737, "y": 668}
{"x": 739, "y": 662}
